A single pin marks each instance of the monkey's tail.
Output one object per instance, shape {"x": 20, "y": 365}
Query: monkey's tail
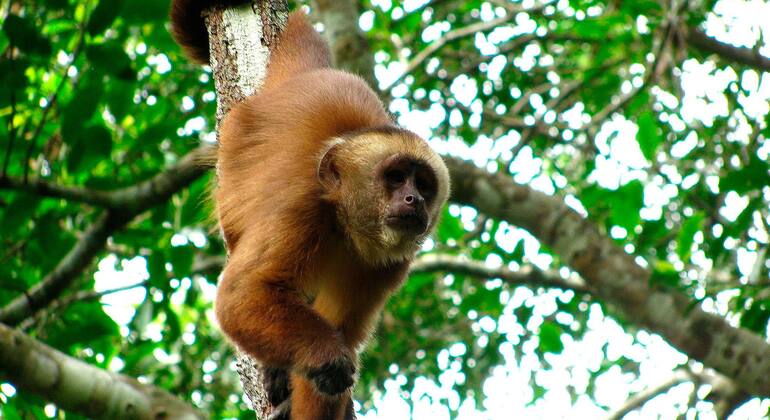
{"x": 300, "y": 49}
{"x": 189, "y": 28}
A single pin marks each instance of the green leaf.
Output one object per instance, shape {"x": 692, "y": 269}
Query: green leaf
{"x": 174, "y": 328}
{"x": 17, "y": 213}
{"x": 156, "y": 267}
{"x": 10, "y": 412}
{"x": 757, "y": 316}
{"x": 24, "y": 34}
{"x": 755, "y": 175}
{"x": 143, "y": 315}
{"x": 141, "y": 11}
{"x": 4, "y": 41}
{"x": 82, "y": 106}
{"x": 625, "y": 204}
{"x": 12, "y": 80}
{"x": 60, "y": 26}
{"x": 103, "y": 15}
{"x": 550, "y": 338}
{"x": 182, "y": 259}
{"x": 120, "y": 98}
{"x": 90, "y": 147}
{"x": 648, "y": 137}
{"x": 110, "y": 58}
{"x": 196, "y": 207}
{"x": 449, "y": 227}
{"x": 686, "y": 235}
{"x": 90, "y": 322}
{"x": 665, "y": 274}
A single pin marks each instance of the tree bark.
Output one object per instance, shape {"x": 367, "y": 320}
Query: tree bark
{"x": 81, "y": 388}
{"x": 239, "y": 41}
{"x": 741, "y": 55}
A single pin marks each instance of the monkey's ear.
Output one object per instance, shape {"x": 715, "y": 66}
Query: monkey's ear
{"x": 328, "y": 175}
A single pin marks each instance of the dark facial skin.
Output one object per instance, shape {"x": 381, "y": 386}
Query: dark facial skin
{"x": 411, "y": 186}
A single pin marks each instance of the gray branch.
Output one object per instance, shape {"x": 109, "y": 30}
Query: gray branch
{"x": 740, "y": 55}
{"x": 135, "y": 198}
{"x": 616, "y": 277}
{"x": 82, "y": 388}
{"x": 430, "y": 263}
{"x": 638, "y": 400}
{"x": 529, "y": 275}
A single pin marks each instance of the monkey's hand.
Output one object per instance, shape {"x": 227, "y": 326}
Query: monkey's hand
{"x": 333, "y": 376}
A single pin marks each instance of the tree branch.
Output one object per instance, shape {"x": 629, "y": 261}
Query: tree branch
{"x": 41, "y": 294}
{"x": 448, "y": 37}
{"x": 615, "y": 276}
{"x": 238, "y": 40}
{"x": 429, "y": 263}
{"x": 80, "y": 387}
{"x": 82, "y": 295}
{"x": 135, "y": 198}
{"x": 741, "y": 55}
{"x": 349, "y": 47}
{"x": 639, "y": 399}
{"x": 530, "y": 276}
{"x": 124, "y": 204}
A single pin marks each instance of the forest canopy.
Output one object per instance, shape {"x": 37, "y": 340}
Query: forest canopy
{"x": 603, "y": 254}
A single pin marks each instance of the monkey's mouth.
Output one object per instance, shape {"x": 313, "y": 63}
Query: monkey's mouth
{"x": 412, "y": 223}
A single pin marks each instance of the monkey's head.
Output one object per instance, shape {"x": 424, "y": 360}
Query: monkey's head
{"x": 387, "y": 187}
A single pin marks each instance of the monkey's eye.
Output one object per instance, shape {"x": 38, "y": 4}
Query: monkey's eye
{"x": 395, "y": 177}
{"x": 426, "y": 185}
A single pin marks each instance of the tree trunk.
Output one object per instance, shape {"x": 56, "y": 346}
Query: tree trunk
{"x": 239, "y": 42}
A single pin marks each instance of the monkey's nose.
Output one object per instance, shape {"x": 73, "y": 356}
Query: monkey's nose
{"x": 413, "y": 200}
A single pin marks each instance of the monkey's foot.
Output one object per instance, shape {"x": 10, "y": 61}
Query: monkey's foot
{"x": 282, "y": 411}
{"x": 334, "y": 377}
{"x": 276, "y": 382}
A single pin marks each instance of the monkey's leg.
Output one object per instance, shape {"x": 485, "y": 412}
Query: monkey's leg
{"x": 308, "y": 404}
{"x": 273, "y": 323}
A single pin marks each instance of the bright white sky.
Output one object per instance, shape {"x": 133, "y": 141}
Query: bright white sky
{"x": 507, "y": 391}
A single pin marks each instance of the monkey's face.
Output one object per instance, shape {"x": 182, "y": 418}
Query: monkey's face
{"x": 387, "y": 189}
{"x": 409, "y": 188}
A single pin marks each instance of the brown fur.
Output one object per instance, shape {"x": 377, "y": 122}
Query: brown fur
{"x": 311, "y": 257}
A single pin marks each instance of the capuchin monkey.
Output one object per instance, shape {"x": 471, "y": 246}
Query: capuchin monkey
{"x": 323, "y": 202}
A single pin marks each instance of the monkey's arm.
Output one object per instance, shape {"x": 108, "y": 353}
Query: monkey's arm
{"x": 261, "y": 310}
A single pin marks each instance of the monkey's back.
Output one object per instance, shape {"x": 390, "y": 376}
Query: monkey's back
{"x": 270, "y": 145}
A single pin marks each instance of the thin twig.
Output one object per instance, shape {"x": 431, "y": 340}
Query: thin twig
{"x": 641, "y": 398}
{"x": 445, "y": 39}
{"x": 11, "y": 124}
{"x": 52, "y": 100}
{"x": 528, "y": 275}
{"x": 156, "y": 189}
{"x": 50, "y": 287}
{"x": 59, "y": 305}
